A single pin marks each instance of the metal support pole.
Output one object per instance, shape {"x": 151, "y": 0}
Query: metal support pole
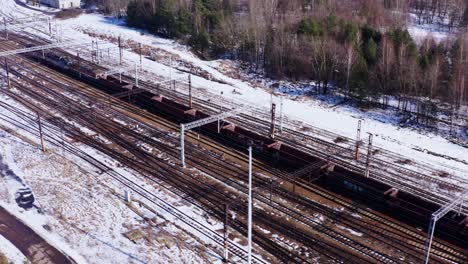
{"x": 190, "y": 90}
{"x": 170, "y": 68}
{"x": 120, "y": 50}
{"x": 369, "y": 155}
{"x": 139, "y": 51}
{"x": 50, "y": 26}
{"x": 6, "y": 31}
{"x": 97, "y": 52}
{"x": 128, "y": 196}
{"x": 43, "y": 54}
{"x": 358, "y": 139}
{"x": 136, "y": 75}
{"x": 182, "y": 144}
{"x": 430, "y": 237}
{"x": 79, "y": 62}
{"x": 219, "y": 125}
{"x": 281, "y": 114}
{"x": 7, "y": 69}
{"x": 226, "y": 225}
{"x": 441, "y": 212}
{"x": 41, "y": 136}
{"x": 272, "y": 129}
{"x": 249, "y": 259}
{"x": 271, "y": 188}
{"x": 92, "y": 50}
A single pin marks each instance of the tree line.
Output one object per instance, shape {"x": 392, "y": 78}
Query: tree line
{"x": 360, "y": 46}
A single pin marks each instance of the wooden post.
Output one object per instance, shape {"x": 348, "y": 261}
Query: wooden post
{"x": 40, "y": 133}
{"x": 190, "y": 90}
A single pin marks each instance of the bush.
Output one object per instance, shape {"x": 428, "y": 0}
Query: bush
{"x": 310, "y": 27}
{"x": 200, "y": 42}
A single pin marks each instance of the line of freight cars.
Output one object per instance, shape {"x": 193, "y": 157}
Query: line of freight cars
{"x": 374, "y": 194}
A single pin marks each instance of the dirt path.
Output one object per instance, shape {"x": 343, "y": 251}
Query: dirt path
{"x": 34, "y": 247}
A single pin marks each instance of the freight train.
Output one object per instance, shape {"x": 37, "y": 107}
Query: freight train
{"x": 374, "y": 194}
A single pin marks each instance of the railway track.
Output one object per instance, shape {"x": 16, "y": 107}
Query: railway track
{"x": 381, "y": 259}
{"x": 183, "y": 185}
{"x": 28, "y": 125}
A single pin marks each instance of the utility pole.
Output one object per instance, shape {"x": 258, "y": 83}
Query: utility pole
{"x": 136, "y": 75}
{"x": 226, "y": 226}
{"x": 170, "y": 68}
{"x": 139, "y": 51}
{"x": 272, "y": 129}
{"x": 182, "y": 144}
{"x": 50, "y": 26}
{"x": 41, "y": 136}
{"x": 6, "y": 30}
{"x": 190, "y": 90}
{"x": 358, "y": 139}
{"x": 120, "y": 50}
{"x": 7, "y": 73}
{"x": 79, "y": 62}
{"x": 97, "y": 52}
{"x": 271, "y": 188}
{"x": 369, "y": 155}
{"x": 281, "y": 115}
{"x": 249, "y": 260}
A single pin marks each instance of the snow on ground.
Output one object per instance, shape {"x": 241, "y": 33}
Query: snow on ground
{"x": 11, "y": 252}
{"x": 97, "y": 235}
{"x": 82, "y": 212}
{"x": 341, "y": 120}
{"x": 84, "y": 216}
{"x": 437, "y": 30}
